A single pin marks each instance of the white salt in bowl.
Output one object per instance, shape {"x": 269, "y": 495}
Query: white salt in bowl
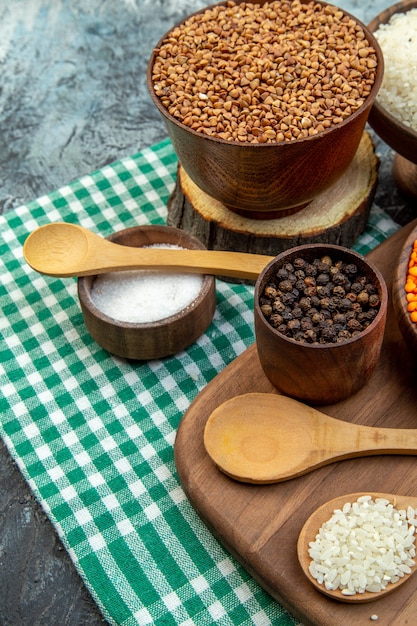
{"x": 143, "y": 315}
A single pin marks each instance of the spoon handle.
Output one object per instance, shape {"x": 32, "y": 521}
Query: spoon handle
{"x": 216, "y": 262}
{"x": 66, "y": 250}
{"x": 374, "y": 440}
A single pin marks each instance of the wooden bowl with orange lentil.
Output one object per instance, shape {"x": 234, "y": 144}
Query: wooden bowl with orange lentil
{"x": 266, "y": 102}
{"x": 404, "y": 290}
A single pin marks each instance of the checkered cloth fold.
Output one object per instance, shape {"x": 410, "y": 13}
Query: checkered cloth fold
{"x": 93, "y": 434}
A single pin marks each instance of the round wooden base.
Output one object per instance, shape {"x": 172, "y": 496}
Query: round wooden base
{"x": 338, "y": 216}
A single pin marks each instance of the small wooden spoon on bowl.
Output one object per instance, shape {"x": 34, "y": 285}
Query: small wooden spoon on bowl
{"x": 319, "y": 517}
{"x": 268, "y": 438}
{"x": 62, "y": 249}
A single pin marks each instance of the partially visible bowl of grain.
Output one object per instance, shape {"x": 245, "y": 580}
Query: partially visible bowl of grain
{"x": 145, "y": 315}
{"x": 404, "y": 291}
{"x": 394, "y": 112}
{"x": 320, "y": 313}
{"x": 266, "y": 102}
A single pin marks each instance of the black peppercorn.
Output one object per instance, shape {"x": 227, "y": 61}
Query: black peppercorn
{"x": 278, "y": 306}
{"x": 270, "y": 291}
{"x": 374, "y": 300}
{"x": 266, "y": 309}
{"x": 320, "y": 301}
{"x": 276, "y": 320}
{"x": 339, "y": 291}
{"x": 310, "y": 336}
{"x": 299, "y": 263}
{"x": 285, "y": 285}
{"x": 306, "y": 323}
{"x": 322, "y": 279}
{"x": 311, "y": 270}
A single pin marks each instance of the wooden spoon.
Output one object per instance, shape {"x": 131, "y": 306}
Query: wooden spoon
{"x": 62, "y": 249}
{"x": 268, "y": 438}
{"x": 320, "y": 516}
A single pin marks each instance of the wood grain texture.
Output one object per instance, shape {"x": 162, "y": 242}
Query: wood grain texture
{"x": 244, "y": 437}
{"x": 152, "y": 340}
{"x": 266, "y": 178}
{"x": 400, "y": 137}
{"x": 405, "y": 175}
{"x": 320, "y": 373}
{"x": 338, "y": 215}
{"x": 73, "y": 97}
{"x": 324, "y": 513}
{"x": 407, "y": 327}
{"x": 260, "y": 524}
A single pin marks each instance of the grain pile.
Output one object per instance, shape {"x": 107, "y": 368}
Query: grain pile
{"x": 398, "y": 41}
{"x": 280, "y": 72}
{"x": 364, "y": 546}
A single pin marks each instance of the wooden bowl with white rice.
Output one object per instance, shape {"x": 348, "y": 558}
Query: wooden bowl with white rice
{"x": 145, "y": 314}
{"x": 394, "y": 113}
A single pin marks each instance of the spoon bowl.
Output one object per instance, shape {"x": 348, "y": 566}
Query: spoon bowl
{"x": 320, "y": 516}
{"x": 268, "y": 438}
{"x": 63, "y": 250}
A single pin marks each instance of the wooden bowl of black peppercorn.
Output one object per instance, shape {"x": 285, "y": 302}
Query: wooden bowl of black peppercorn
{"x": 320, "y": 313}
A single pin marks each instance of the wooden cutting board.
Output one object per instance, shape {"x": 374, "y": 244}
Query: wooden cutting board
{"x": 259, "y": 524}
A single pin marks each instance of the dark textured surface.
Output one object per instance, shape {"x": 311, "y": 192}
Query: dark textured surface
{"x": 73, "y": 97}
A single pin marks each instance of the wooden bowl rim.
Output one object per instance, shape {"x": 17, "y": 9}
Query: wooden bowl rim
{"x": 85, "y": 283}
{"x": 399, "y": 7}
{"x": 398, "y": 292}
{"x": 381, "y": 284}
{"x": 279, "y": 144}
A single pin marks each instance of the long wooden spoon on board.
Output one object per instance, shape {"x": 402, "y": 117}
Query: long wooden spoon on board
{"x": 62, "y": 249}
{"x": 321, "y": 515}
{"x": 268, "y": 438}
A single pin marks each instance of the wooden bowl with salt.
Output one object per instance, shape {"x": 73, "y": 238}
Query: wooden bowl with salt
{"x": 400, "y": 136}
{"x": 145, "y": 315}
{"x": 263, "y": 126}
{"x": 319, "y": 335}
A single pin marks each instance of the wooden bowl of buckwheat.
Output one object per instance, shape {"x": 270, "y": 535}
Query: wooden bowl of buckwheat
{"x": 266, "y": 103}
{"x": 320, "y": 313}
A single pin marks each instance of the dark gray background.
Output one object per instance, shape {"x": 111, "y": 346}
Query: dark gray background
{"x": 73, "y": 98}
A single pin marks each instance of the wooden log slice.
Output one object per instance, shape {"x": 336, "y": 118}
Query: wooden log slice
{"x": 338, "y": 216}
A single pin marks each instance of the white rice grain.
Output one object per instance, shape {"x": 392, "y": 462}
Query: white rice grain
{"x": 398, "y": 41}
{"x": 364, "y": 546}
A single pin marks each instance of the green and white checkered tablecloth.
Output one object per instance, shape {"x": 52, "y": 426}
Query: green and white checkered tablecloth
{"x": 93, "y": 434}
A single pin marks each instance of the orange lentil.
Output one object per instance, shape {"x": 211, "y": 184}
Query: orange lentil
{"x": 411, "y": 284}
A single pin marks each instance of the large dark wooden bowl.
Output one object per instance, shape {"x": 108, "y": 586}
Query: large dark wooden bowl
{"x": 158, "y": 339}
{"x": 399, "y": 301}
{"x": 319, "y": 373}
{"x": 397, "y": 135}
{"x": 258, "y": 179}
